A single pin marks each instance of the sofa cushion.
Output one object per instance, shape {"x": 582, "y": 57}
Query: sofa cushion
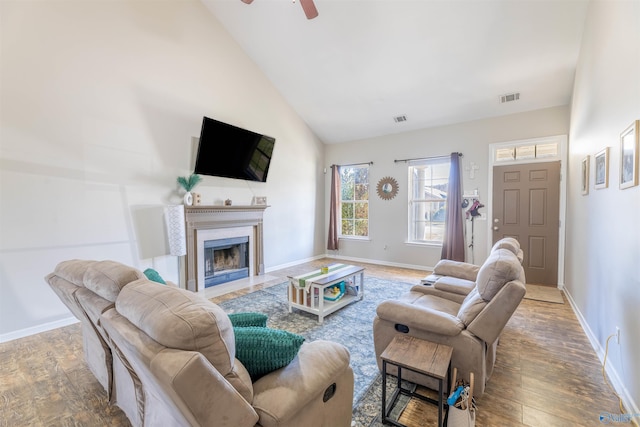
{"x": 247, "y": 319}
{"x": 66, "y": 291}
{"x": 501, "y": 267}
{"x": 262, "y": 350}
{"x": 507, "y": 243}
{"x": 73, "y": 270}
{"x": 462, "y": 270}
{"x": 471, "y": 306}
{"x": 434, "y": 302}
{"x": 183, "y": 320}
{"x": 179, "y": 319}
{"x": 107, "y": 278}
{"x": 511, "y": 244}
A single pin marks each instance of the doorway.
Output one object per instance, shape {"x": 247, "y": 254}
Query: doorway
{"x": 547, "y": 149}
{"x": 526, "y": 206}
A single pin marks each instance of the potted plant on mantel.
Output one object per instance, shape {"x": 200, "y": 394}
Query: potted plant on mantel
{"x": 188, "y": 184}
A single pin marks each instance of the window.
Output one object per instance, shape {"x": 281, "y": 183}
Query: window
{"x": 428, "y": 185}
{"x": 354, "y": 206}
{"x": 525, "y": 151}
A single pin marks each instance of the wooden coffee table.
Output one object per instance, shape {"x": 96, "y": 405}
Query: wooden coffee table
{"x": 306, "y": 292}
{"x": 416, "y": 355}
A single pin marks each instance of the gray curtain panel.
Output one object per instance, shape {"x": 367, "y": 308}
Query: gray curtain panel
{"x": 332, "y": 241}
{"x": 453, "y": 245}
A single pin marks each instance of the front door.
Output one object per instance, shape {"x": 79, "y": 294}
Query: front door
{"x": 526, "y": 206}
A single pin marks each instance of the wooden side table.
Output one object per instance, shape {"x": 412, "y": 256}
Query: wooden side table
{"x": 416, "y": 355}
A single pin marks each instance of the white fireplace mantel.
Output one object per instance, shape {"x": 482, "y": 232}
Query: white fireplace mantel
{"x": 220, "y": 217}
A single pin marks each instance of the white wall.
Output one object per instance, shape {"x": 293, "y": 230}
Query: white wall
{"x": 100, "y": 102}
{"x": 388, "y": 219}
{"x": 603, "y": 234}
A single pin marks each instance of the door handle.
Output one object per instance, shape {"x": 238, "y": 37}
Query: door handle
{"x": 496, "y": 228}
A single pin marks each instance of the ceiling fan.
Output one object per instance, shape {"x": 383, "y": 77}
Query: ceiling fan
{"x": 307, "y": 5}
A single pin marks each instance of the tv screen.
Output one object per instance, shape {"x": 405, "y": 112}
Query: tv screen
{"x": 232, "y": 152}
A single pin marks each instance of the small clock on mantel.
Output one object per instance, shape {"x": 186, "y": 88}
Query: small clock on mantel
{"x": 387, "y": 188}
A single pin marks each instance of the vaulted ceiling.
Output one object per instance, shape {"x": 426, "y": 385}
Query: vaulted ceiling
{"x": 349, "y": 72}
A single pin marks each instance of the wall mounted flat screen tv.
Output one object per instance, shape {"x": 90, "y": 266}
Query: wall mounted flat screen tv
{"x": 232, "y": 152}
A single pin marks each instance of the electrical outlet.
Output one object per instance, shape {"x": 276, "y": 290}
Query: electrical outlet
{"x": 617, "y": 335}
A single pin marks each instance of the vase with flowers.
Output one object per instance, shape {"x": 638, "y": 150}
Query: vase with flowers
{"x": 188, "y": 183}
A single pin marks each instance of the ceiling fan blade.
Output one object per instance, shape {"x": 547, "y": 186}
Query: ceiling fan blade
{"x": 247, "y": 1}
{"x": 309, "y": 8}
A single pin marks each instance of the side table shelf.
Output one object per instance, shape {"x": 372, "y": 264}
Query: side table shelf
{"x": 423, "y": 357}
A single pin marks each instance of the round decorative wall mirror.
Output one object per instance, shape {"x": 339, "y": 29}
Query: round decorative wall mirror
{"x": 387, "y": 188}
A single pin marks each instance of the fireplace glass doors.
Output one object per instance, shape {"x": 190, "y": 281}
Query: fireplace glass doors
{"x": 225, "y": 260}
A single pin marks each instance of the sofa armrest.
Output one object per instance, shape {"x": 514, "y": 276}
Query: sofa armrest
{"x": 422, "y": 318}
{"x": 209, "y": 397}
{"x": 461, "y": 270}
{"x": 490, "y": 322}
{"x": 280, "y": 395}
{"x": 455, "y": 285}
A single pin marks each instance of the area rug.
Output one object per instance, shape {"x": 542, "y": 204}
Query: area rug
{"x": 544, "y": 293}
{"x": 351, "y": 326}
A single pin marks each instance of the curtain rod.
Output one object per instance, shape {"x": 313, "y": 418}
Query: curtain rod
{"x": 356, "y": 164}
{"x": 426, "y": 158}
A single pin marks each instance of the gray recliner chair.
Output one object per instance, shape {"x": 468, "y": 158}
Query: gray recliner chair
{"x": 181, "y": 350}
{"x": 166, "y": 356}
{"x": 88, "y": 288}
{"x": 459, "y": 278}
{"x": 470, "y": 324}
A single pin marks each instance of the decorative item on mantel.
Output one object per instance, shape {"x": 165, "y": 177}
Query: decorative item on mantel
{"x": 188, "y": 184}
{"x": 259, "y": 201}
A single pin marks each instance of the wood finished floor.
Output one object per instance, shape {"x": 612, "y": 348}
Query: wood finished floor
{"x": 546, "y": 373}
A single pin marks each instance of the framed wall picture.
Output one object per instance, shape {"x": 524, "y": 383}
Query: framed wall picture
{"x": 602, "y": 169}
{"x": 629, "y": 156}
{"x": 585, "y": 176}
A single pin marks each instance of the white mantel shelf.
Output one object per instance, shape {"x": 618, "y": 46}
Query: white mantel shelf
{"x": 215, "y": 217}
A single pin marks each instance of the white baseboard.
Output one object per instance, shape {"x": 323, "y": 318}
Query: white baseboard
{"x": 616, "y": 383}
{"x": 346, "y": 258}
{"x": 293, "y": 264}
{"x": 378, "y": 262}
{"x": 37, "y": 329}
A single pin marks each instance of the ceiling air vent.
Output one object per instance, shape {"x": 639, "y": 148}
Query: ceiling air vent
{"x": 400, "y": 119}
{"x": 509, "y": 97}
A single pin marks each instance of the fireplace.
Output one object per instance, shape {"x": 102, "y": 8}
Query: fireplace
{"x": 211, "y": 223}
{"x": 223, "y": 255}
{"x": 225, "y": 260}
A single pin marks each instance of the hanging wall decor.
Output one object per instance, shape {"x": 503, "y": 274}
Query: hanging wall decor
{"x": 629, "y": 147}
{"x": 387, "y": 188}
{"x": 584, "y": 178}
{"x": 602, "y": 169}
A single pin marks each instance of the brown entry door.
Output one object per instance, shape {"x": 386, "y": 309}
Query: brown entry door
{"x": 526, "y": 205}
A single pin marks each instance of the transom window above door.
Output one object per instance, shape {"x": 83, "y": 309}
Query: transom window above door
{"x": 526, "y": 151}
